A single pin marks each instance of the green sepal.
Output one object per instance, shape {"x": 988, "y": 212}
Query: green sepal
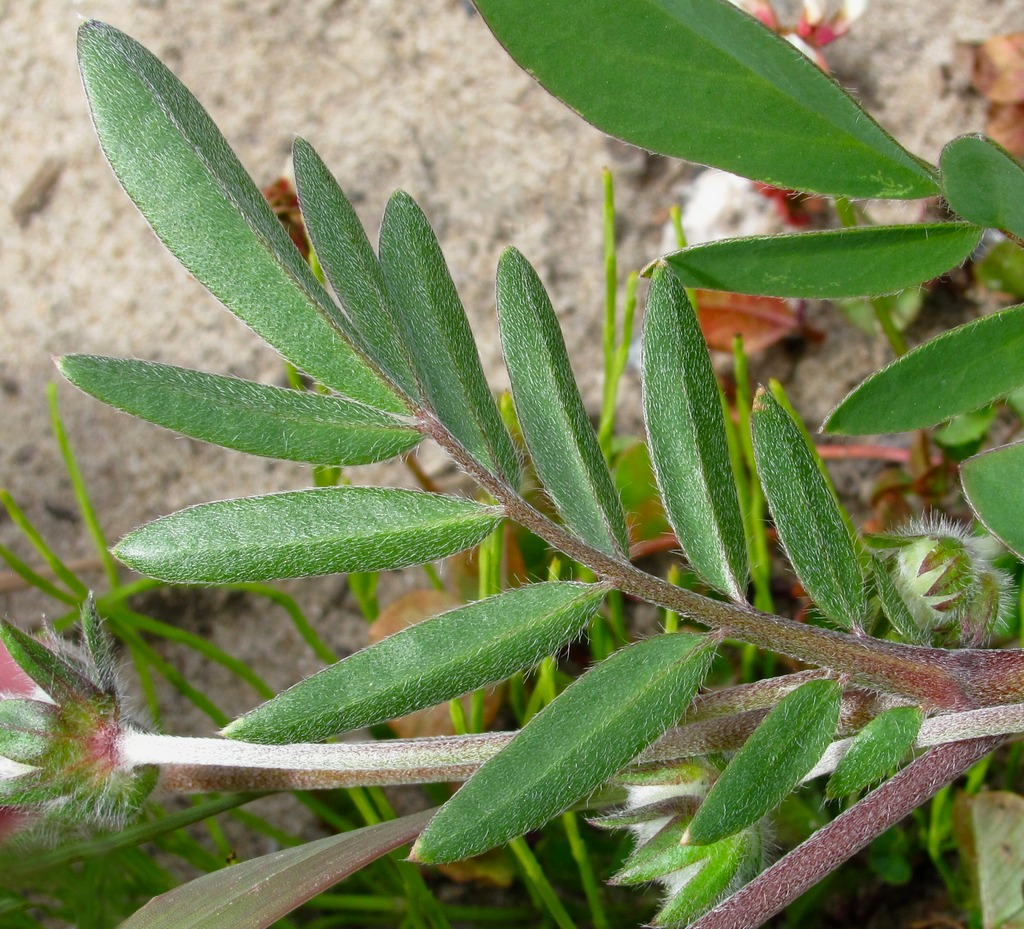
{"x": 58, "y": 679}
{"x": 25, "y": 727}
{"x": 727, "y": 866}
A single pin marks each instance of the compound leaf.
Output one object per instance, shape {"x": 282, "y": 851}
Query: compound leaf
{"x": 600, "y": 723}
{"x": 956, "y": 372}
{"x": 686, "y": 431}
{"x": 857, "y": 262}
{"x": 695, "y": 79}
{"x": 288, "y": 424}
{"x": 173, "y": 162}
{"x": 983, "y": 183}
{"x": 787, "y": 744}
{"x": 810, "y": 524}
{"x": 436, "y": 331}
{"x": 562, "y": 443}
{"x": 427, "y": 663}
{"x": 305, "y": 533}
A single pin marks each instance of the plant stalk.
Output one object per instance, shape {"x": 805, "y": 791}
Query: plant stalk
{"x": 194, "y": 765}
{"x": 938, "y": 679}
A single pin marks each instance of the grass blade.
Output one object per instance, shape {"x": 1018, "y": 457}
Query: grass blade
{"x": 686, "y": 431}
{"x": 305, "y": 533}
{"x": 558, "y": 433}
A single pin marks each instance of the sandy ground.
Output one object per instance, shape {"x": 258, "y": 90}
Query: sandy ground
{"x": 412, "y": 94}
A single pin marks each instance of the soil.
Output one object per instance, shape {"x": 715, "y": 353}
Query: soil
{"x": 392, "y": 94}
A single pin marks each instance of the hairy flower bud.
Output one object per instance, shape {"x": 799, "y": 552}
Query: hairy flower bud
{"x": 946, "y": 578}
{"x": 659, "y": 807}
{"x": 60, "y": 758}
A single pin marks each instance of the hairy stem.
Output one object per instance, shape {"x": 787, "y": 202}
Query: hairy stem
{"x": 936, "y": 678}
{"x": 192, "y": 765}
{"x": 847, "y": 834}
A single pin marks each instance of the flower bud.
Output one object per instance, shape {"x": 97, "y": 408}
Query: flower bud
{"x": 60, "y": 758}
{"x": 947, "y": 580}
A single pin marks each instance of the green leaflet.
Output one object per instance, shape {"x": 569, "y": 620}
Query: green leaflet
{"x": 686, "y": 431}
{"x": 958, "y": 371}
{"x": 426, "y": 664}
{"x": 876, "y": 751}
{"x": 288, "y": 424}
{"x": 435, "y": 330}
{"x": 600, "y": 723}
{"x": 173, "y": 162}
{"x": 857, "y": 262}
{"x": 558, "y": 433}
{"x": 255, "y": 894}
{"x": 787, "y": 744}
{"x": 810, "y": 524}
{"x": 983, "y": 183}
{"x": 695, "y": 79}
{"x": 992, "y": 484}
{"x": 348, "y": 261}
{"x": 305, "y": 533}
